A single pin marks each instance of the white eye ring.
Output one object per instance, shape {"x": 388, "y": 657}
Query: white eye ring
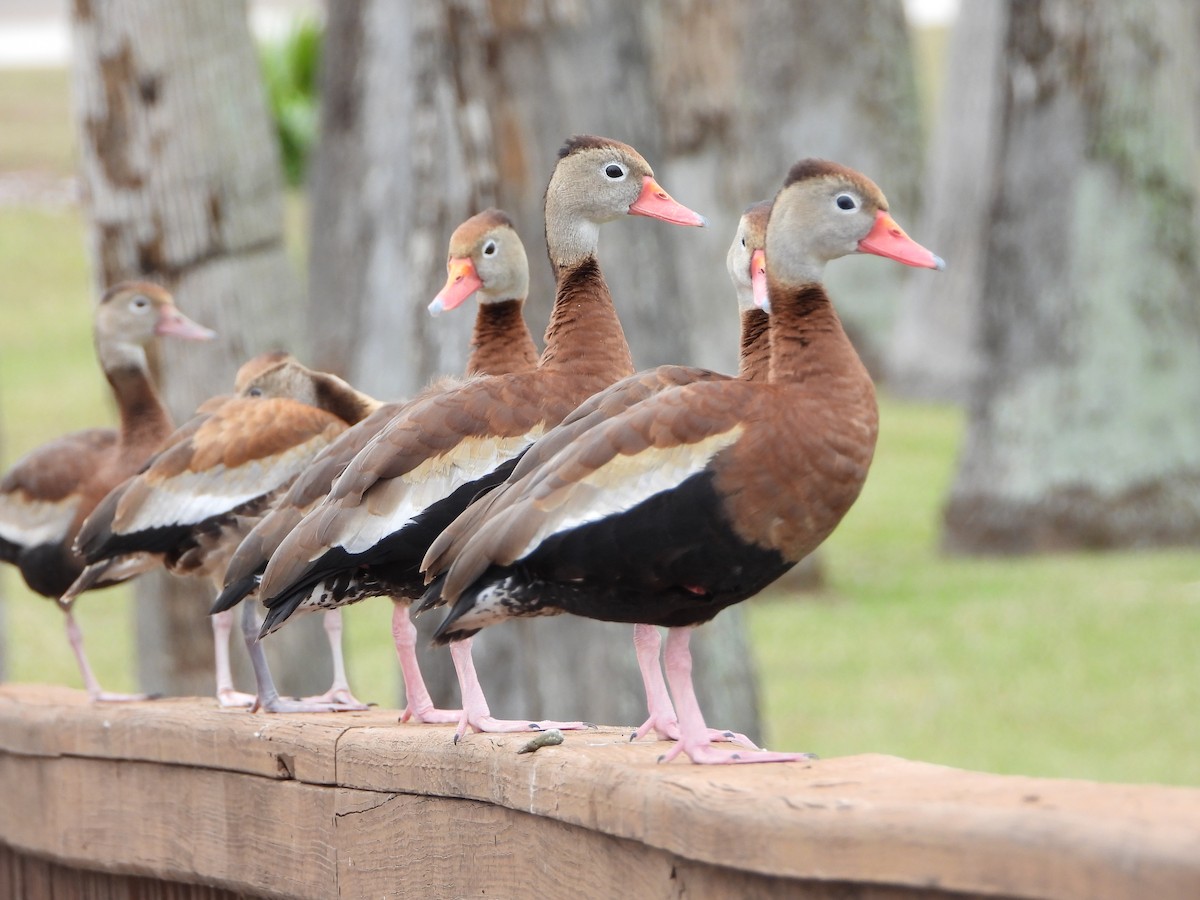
{"x": 139, "y": 304}
{"x": 620, "y": 171}
{"x": 489, "y": 249}
{"x": 843, "y": 199}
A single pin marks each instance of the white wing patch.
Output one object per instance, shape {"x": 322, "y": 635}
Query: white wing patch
{"x": 191, "y": 497}
{"x": 625, "y": 481}
{"x": 34, "y": 522}
{"x": 392, "y": 504}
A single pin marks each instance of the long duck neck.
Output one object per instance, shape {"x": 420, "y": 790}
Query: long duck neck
{"x": 754, "y": 360}
{"x": 584, "y": 336}
{"x": 144, "y": 418}
{"x": 808, "y": 341}
{"x": 501, "y": 342}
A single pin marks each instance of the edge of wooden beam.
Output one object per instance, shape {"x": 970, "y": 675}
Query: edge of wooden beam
{"x": 864, "y": 819}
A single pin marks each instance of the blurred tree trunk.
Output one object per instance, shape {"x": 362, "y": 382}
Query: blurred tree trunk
{"x": 181, "y": 180}
{"x": 832, "y": 80}
{"x": 390, "y": 180}
{"x": 934, "y": 353}
{"x": 430, "y": 113}
{"x": 745, "y": 90}
{"x": 1086, "y": 431}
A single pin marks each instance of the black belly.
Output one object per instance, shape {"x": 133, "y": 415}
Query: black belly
{"x": 49, "y": 569}
{"x": 671, "y": 560}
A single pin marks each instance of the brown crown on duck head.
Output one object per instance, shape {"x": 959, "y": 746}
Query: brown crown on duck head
{"x": 832, "y": 211}
{"x": 598, "y": 180}
{"x": 486, "y": 256}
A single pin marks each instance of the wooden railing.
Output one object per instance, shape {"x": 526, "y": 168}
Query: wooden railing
{"x": 148, "y": 798}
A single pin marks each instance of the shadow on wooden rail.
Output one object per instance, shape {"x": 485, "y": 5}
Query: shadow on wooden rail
{"x": 143, "y": 800}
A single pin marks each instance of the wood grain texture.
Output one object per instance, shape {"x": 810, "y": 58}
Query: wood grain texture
{"x": 174, "y": 823}
{"x": 182, "y": 791}
{"x": 468, "y": 848}
{"x": 33, "y": 878}
{"x": 51, "y": 721}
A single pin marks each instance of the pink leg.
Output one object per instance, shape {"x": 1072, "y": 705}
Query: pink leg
{"x": 95, "y": 692}
{"x": 476, "y": 716}
{"x": 646, "y": 643}
{"x": 418, "y": 704}
{"x": 339, "y": 692}
{"x": 694, "y": 738}
{"x": 222, "y": 624}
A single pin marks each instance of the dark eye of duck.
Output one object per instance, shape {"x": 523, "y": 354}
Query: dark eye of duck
{"x": 614, "y": 171}
{"x": 489, "y": 249}
{"x": 139, "y": 303}
{"x": 846, "y": 202}
{"x": 743, "y": 242}
{"x": 254, "y": 392}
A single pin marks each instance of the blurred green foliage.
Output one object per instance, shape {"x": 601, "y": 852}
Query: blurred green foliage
{"x": 289, "y": 67}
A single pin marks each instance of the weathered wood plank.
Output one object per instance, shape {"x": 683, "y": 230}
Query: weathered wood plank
{"x": 34, "y": 878}
{"x": 867, "y": 818}
{"x": 181, "y": 730}
{"x": 470, "y": 848}
{"x": 176, "y": 823}
{"x": 185, "y": 792}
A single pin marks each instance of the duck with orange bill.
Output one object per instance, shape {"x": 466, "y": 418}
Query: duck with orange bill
{"x": 701, "y": 496}
{"x": 47, "y": 494}
{"x": 369, "y": 536}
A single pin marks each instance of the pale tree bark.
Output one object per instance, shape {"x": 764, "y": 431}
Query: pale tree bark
{"x": 472, "y": 112}
{"x": 390, "y": 181}
{"x": 934, "y": 351}
{"x": 181, "y": 181}
{"x": 745, "y": 90}
{"x": 432, "y": 112}
{"x": 1086, "y": 431}
{"x": 720, "y": 98}
{"x": 832, "y": 80}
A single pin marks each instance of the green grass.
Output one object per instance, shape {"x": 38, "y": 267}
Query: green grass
{"x": 50, "y": 384}
{"x": 36, "y": 131}
{"x": 1075, "y": 666}
{"x": 48, "y": 372}
{"x": 1079, "y": 666}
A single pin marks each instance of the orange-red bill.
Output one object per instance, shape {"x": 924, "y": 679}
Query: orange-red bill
{"x": 758, "y": 279}
{"x": 173, "y": 323}
{"x": 888, "y": 239}
{"x": 461, "y": 282}
{"x": 656, "y": 203}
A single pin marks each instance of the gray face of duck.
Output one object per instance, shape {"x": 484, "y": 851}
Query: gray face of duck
{"x": 746, "y": 260}
{"x": 131, "y": 315}
{"x": 598, "y": 180}
{"x": 826, "y": 211}
{"x": 486, "y": 259}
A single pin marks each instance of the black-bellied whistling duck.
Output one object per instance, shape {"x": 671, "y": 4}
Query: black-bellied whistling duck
{"x": 368, "y": 538}
{"x": 195, "y": 499}
{"x": 120, "y": 568}
{"x": 746, "y": 267}
{"x": 702, "y": 495}
{"x": 487, "y": 260}
{"x": 47, "y": 494}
